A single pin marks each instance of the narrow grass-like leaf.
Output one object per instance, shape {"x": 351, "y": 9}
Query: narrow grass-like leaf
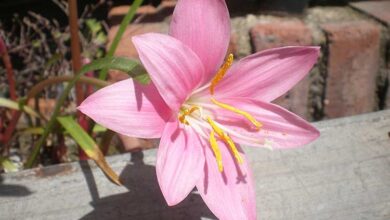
{"x": 132, "y": 67}
{"x": 32, "y": 130}
{"x": 8, "y": 165}
{"x": 121, "y": 30}
{"x": 122, "y": 64}
{"x": 98, "y": 129}
{"x": 88, "y": 145}
{"x": 39, "y": 130}
{"x": 7, "y": 103}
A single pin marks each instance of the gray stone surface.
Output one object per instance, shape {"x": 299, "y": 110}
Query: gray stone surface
{"x": 345, "y": 174}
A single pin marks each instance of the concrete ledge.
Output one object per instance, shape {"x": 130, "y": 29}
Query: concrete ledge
{"x": 343, "y": 175}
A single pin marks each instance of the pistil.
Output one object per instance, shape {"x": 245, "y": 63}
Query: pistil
{"x": 226, "y": 138}
{"x": 186, "y": 112}
{"x": 248, "y": 116}
{"x": 217, "y": 152}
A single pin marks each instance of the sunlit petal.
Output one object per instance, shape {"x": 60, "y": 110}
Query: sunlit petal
{"x": 230, "y": 194}
{"x": 280, "y": 128}
{"x": 128, "y": 108}
{"x": 174, "y": 68}
{"x": 179, "y": 161}
{"x": 204, "y": 26}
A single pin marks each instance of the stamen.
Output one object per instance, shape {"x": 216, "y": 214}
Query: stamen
{"x": 222, "y": 135}
{"x": 182, "y": 117}
{"x": 221, "y": 73}
{"x": 248, "y": 116}
{"x": 217, "y": 152}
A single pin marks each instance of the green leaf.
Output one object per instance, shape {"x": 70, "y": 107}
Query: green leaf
{"x": 88, "y": 145}
{"x": 36, "y": 43}
{"x": 98, "y": 129}
{"x": 78, "y": 133}
{"x": 118, "y": 36}
{"x": 141, "y": 75}
{"x": 7, "y": 103}
{"x": 117, "y": 63}
{"x": 93, "y": 25}
{"x": 132, "y": 67}
{"x": 32, "y": 130}
{"x": 8, "y": 165}
{"x": 100, "y": 38}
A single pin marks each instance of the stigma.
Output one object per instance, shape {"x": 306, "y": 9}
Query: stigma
{"x": 186, "y": 112}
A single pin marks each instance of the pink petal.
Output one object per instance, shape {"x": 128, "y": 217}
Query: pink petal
{"x": 268, "y": 74}
{"x": 173, "y": 67}
{"x": 281, "y": 128}
{"x": 204, "y": 26}
{"x": 180, "y": 162}
{"x": 229, "y": 195}
{"x": 129, "y": 109}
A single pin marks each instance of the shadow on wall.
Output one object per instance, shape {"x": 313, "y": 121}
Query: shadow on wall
{"x": 144, "y": 200}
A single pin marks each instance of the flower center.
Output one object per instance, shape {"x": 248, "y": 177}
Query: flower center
{"x": 215, "y": 129}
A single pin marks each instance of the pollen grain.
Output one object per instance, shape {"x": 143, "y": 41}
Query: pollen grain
{"x": 221, "y": 73}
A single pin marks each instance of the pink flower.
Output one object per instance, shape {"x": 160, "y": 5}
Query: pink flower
{"x": 203, "y": 108}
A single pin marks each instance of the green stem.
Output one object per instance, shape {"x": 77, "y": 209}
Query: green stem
{"x": 37, "y": 89}
{"x": 126, "y": 20}
{"x": 113, "y": 63}
{"x": 60, "y": 79}
{"x": 50, "y": 124}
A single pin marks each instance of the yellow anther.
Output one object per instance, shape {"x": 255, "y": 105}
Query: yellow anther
{"x": 221, "y": 73}
{"x": 182, "y": 117}
{"x": 225, "y": 137}
{"x": 217, "y": 152}
{"x": 248, "y": 116}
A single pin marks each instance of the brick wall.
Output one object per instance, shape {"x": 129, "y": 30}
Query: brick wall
{"x": 350, "y": 78}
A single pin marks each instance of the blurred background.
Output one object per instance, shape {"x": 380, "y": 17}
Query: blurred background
{"x": 351, "y": 76}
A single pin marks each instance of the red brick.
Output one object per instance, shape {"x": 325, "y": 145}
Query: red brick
{"x": 286, "y": 33}
{"x": 280, "y": 33}
{"x": 116, "y": 14}
{"x": 123, "y": 9}
{"x": 145, "y": 13}
{"x": 297, "y": 99}
{"x": 353, "y": 65}
{"x": 46, "y": 106}
{"x": 233, "y": 45}
{"x": 126, "y": 47}
{"x": 131, "y": 144}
